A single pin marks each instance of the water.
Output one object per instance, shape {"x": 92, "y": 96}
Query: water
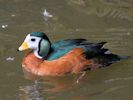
{"x": 95, "y": 20}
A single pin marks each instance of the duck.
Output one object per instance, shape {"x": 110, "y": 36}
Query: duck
{"x": 67, "y": 56}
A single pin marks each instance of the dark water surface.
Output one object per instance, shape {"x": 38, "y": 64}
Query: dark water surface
{"x": 95, "y": 20}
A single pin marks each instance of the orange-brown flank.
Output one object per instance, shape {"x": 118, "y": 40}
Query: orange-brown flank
{"x": 72, "y": 62}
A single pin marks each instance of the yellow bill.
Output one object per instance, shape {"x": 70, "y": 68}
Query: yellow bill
{"x": 24, "y": 46}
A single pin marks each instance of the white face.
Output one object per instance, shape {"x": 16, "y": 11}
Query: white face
{"x": 32, "y": 41}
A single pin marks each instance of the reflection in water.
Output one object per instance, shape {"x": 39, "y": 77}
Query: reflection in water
{"x": 58, "y": 84}
{"x": 51, "y": 85}
{"x": 31, "y": 92}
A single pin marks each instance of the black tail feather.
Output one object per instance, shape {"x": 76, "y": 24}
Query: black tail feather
{"x": 103, "y": 50}
{"x": 106, "y": 59}
{"x": 100, "y": 45}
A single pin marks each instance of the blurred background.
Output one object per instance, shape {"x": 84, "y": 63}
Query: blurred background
{"x": 95, "y": 20}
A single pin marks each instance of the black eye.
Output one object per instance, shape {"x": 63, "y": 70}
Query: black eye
{"x": 33, "y": 39}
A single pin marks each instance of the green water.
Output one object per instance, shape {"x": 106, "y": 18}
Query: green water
{"x": 95, "y": 20}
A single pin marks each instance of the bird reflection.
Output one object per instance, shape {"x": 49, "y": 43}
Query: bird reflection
{"x": 44, "y": 85}
{"x": 30, "y": 92}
